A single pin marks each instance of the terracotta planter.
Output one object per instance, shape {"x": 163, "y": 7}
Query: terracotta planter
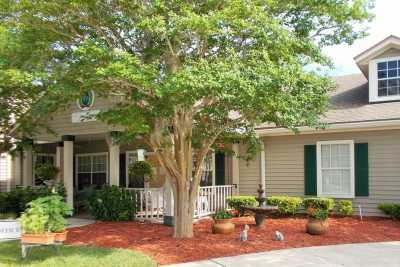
{"x": 60, "y": 237}
{"x": 223, "y": 226}
{"x": 316, "y": 226}
{"x": 44, "y": 239}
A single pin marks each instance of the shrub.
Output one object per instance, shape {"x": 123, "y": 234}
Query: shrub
{"x": 222, "y": 214}
{"x": 17, "y": 199}
{"x": 45, "y": 214}
{"x": 318, "y": 207}
{"x": 112, "y": 204}
{"x": 390, "y": 209}
{"x": 345, "y": 207}
{"x": 238, "y": 202}
{"x": 286, "y": 205}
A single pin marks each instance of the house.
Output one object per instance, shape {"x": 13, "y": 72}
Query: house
{"x": 356, "y": 157}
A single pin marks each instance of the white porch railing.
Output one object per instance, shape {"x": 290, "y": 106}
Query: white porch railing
{"x": 151, "y": 201}
{"x": 212, "y": 198}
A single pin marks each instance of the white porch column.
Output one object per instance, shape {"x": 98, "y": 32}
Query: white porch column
{"x": 27, "y": 167}
{"x": 262, "y": 166}
{"x": 168, "y": 218}
{"x": 114, "y": 164}
{"x": 17, "y": 162}
{"x": 235, "y": 166}
{"x": 59, "y": 156}
{"x": 68, "y": 168}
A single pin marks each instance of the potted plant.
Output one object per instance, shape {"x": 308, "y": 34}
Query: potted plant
{"x": 142, "y": 170}
{"x": 223, "y": 223}
{"x": 45, "y": 172}
{"x": 57, "y": 210}
{"x": 318, "y": 212}
{"x": 33, "y": 223}
{"x": 44, "y": 220}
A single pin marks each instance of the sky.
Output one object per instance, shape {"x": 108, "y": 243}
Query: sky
{"x": 385, "y": 23}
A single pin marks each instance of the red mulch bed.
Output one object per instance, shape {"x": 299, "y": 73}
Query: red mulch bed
{"x": 155, "y": 240}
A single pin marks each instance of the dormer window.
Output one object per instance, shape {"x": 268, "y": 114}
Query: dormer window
{"x": 388, "y": 78}
{"x": 380, "y": 64}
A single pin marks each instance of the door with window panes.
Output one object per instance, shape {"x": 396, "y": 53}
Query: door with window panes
{"x": 133, "y": 181}
{"x": 91, "y": 170}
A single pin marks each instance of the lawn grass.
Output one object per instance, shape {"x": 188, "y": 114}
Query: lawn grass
{"x": 76, "y": 256}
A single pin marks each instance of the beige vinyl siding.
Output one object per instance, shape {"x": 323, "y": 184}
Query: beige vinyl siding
{"x": 61, "y": 122}
{"x": 249, "y": 174}
{"x": 285, "y": 165}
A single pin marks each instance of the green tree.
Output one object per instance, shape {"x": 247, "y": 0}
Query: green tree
{"x": 186, "y": 75}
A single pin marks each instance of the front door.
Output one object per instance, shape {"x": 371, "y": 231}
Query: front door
{"x": 220, "y": 168}
{"x": 91, "y": 169}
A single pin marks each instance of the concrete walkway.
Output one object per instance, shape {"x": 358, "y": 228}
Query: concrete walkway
{"x": 385, "y": 254}
{"x": 77, "y": 222}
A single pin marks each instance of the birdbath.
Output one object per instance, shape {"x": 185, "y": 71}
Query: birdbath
{"x": 262, "y": 209}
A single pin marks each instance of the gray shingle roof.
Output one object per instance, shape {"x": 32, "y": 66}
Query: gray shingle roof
{"x": 349, "y": 103}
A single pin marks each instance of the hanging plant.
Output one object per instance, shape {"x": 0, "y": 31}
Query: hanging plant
{"x": 46, "y": 171}
{"x": 142, "y": 169}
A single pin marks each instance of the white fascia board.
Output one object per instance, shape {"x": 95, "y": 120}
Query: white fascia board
{"x": 334, "y": 128}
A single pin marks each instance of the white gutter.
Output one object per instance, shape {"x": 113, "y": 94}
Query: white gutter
{"x": 334, "y": 128}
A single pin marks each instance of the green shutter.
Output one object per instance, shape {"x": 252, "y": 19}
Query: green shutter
{"x": 361, "y": 169}
{"x": 310, "y": 170}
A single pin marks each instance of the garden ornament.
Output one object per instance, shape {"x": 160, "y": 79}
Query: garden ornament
{"x": 243, "y": 235}
{"x": 279, "y": 236}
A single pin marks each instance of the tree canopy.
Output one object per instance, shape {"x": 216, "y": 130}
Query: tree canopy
{"x": 186, "y": 74}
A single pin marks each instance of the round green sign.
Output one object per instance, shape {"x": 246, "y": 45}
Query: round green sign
{"x": 86, "y": 101}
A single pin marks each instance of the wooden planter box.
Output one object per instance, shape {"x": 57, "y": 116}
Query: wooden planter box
{"x": 41, "y": 239}
{"x": 60, "y": 237}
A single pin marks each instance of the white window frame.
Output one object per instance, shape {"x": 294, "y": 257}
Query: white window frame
{"x": 91, "y": 155}
{"x": 319, "y": 168}
{"x": 373, "y": 81}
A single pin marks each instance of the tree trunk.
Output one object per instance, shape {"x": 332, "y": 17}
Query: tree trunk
{"x": 183, "y": 213}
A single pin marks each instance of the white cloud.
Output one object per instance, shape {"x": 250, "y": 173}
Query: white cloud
{"x": 386, "y": 22}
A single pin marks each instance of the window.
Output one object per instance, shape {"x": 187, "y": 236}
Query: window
{"x": 388, "y": 78}
{"x": 207, "y": 174}
{"x": 4, "y": 167}
{"x": 91, "y": 169}
{"x": 335, "y": 168}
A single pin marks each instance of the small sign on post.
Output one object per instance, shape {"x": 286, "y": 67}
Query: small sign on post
{"x": 10, "y": 229}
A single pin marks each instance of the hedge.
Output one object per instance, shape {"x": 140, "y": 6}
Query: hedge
{"x": 390, "y": 209}
{"x": 287, "y": 206}
{"x": 239, "y": 202}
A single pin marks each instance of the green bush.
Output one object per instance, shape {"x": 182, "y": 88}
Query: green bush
{"x": 345, "y": 207}
{"x": 238, "y": 202}
{"x": 390, "y": 209}
{"x": 112, "y": 204}
{"x": 222, "y": 214}
{"x": 17, "y": 199}
{"x": 318, "y": 207}
{"x": 287, "y": 205}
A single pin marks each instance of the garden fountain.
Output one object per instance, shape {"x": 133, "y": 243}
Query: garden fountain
{"x": 262, "y": 209}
